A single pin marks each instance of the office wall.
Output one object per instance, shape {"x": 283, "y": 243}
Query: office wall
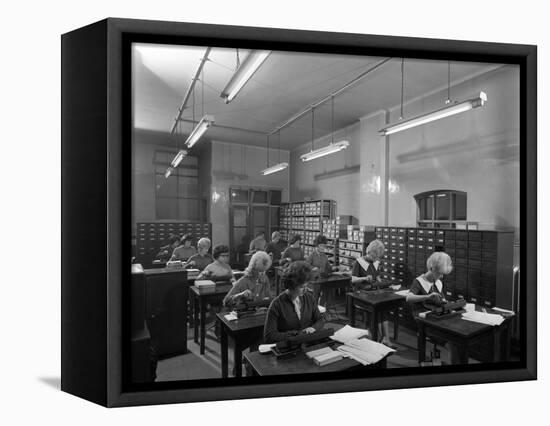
{"x": 476, "y": 152}
{"x": 235, "y": 165}
{"x": 334, "y": 177}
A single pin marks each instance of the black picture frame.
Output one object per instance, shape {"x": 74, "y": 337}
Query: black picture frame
{"x": 96, "y": 211}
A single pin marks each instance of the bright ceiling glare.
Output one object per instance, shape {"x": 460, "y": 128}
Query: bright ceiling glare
{"x": 327, "y": 150}
{"x": 447, "y": 111}
{"x": 246, "y": 70}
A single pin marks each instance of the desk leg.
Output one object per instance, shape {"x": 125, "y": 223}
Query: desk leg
{"x": 421, "y": 343}
{"x": 238, "y": 360}
{"x": 501, "y": 343}
{"x": 203, "y": 323}
{"x": 351, "y": 308}
{"x": 395, "y": 324}
{"x": 225, "y": 350}
{"x": 195, "y": 319}
{"x": 374, "y": 325}
{"x": 463, "y": 353}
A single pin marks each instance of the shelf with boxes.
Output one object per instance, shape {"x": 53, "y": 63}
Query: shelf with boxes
{"x": 151, "y": 236}
{"x": 302, "y": 216}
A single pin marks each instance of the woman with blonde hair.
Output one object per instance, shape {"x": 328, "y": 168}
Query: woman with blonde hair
{"x": 365, "y": 272}
{"x": 202, "y": 259}
{"x": 428, "y": 287}
{"x": 254, "y": 284}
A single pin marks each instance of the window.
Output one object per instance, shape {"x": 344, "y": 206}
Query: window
{"x": 177, "y": 198}
{"x": 441, "y": 208}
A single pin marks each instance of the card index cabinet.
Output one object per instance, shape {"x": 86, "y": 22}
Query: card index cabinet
{"x": 482, "y": 261}
{"x": 151, "y": 236}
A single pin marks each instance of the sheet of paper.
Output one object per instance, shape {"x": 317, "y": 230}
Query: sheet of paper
{"x": 483, "y": 318}
{"x": 322, "y": 309}
{"x": 265, "y": 348}
{"x": 506, "y": 311}
{"x": 402, "y": 292}
{"x": 231, "y": 316}
{"x": 348, "y": 333}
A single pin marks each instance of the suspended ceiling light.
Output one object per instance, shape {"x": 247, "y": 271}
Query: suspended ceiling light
{"x": 277, "y": 167}
{"x": 168, "y": 172}
{"x": 436, "y": 115}
{"x": 331, "y": 148}
{"x": 326, "y": 150}
{"x": 178, "y": 158}
{"x": 199, "y": 130}
{"x": 245, "y": 71}
{"x": 274, "y": 169}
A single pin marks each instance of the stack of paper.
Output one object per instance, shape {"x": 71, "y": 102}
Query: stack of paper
{"x": 327, "y": 358}
{"x": 347, "y": 333}
{"x": 365, "y": 351}
{"x": 483, "y": 318}
{"x": 173, "y": 264}
{"x": 205, "y": 286}
{"x": 324, "y": 356}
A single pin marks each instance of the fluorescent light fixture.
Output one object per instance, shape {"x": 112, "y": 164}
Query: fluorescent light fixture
{"x": 436, "y": 115}
{"x": 247, "y": 69}
{"x": 326, "y": 150}
{"x": 168, "y": 172}
{"x": 178, "y": 158}
{"x": 274, "y": 169}
{"x": 199, "y": 130}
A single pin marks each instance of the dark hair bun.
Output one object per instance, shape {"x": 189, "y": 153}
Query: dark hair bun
{"x": 296, "y": 274}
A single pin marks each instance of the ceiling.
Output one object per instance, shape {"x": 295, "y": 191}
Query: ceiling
{"x": 285, "y": 84}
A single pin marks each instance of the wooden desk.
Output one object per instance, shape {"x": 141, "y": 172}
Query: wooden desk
{"x": 199, "y": 310}
{"x": 377, "y": 303}
{"x": 328, "y": 285}
{"x": 463, "y": 333}
{"x": 166, "y": 298}
{"x": 269, "y": 365}
{"x": 244, "y": 332}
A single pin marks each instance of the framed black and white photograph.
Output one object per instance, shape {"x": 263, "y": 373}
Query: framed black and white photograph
{"x": 281, "y": 212}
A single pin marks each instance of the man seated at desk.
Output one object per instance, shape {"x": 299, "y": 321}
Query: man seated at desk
{"x": 275, "y": 247}
{"x": 185, "y": 250}
{"x": 318, "y": 260}
{"x": 202, "y": 259}
{"x": 254, "y": 285}
{"x": 293, "y": 252}
{"x": 219, "y": 270}
{"x": 258, "y": 243}
{"x": 165, "y": 252}
{"x": 365, "y": 272}
{"x": 294, "y": 311}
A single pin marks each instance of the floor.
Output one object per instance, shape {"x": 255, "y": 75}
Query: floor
{"x": 195, "y": 366}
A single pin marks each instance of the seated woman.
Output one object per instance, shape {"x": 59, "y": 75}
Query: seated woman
{"x": 365, "y": 269}
{"x": 293, "y": 252}
{"x": 294, "y": 311}
{"x": 165, "y": 252}
{"x": 202, "y": 259}
{"x": 219, "y": 270}
{"x": 184, "y": 251}
{"x": 429, "y": 288}
{"x": 365, "y": 272}
{"x": 254, "y": 285}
